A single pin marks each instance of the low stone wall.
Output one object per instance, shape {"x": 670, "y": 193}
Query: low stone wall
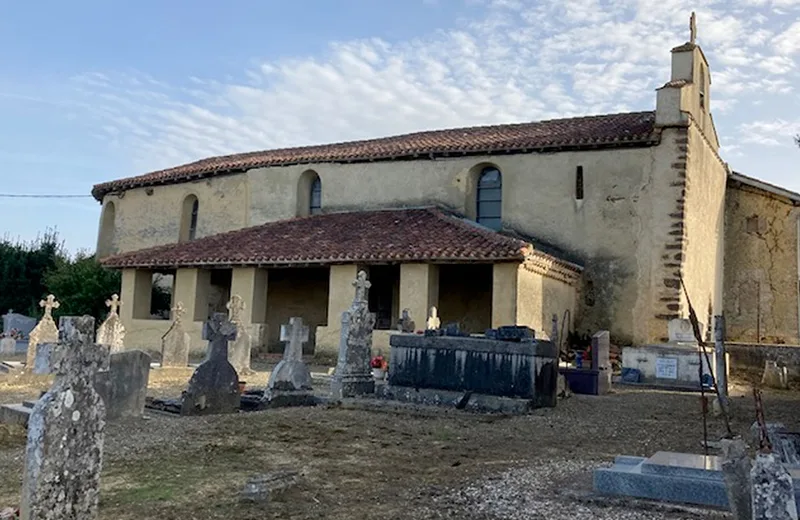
{"x": 750, "y": 358}
{"x": 525, "y": 370}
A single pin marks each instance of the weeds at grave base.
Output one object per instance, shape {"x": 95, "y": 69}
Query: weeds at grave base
{"x": 12, "y": 435}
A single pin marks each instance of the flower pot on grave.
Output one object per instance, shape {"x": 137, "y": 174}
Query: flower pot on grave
{"x": 377, "y": 373}
{"x": 242, "y": 386}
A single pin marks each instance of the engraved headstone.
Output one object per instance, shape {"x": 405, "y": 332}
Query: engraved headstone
{"x": 239, "y": 351}
{"x": 290, "y": 383}
{"x": 433, "y": 320}
{"x": 45, "y": 331}
{"x": 353, "y": 376}
{"x": 8, "y": 345}
{"x": 111, "y": 332}
{"x": 64, "y": 453}
{"x": 123, "y": 387}
{"x": 680, "y": 331}
{"x": 775, "y": 376}
{"x": 214, "y": 386}
{"x": 176, "y": 343}
{"x": 773, "y": 490}
{"x": 44, "y": 363}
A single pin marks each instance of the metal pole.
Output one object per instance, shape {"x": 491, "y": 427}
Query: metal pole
{"x": 721, "y": 360}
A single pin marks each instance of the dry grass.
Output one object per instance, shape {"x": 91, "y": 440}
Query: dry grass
{"x": 389, "y": 464}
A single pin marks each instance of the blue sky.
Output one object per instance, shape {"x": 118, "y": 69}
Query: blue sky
{"x": 91, "y": 91}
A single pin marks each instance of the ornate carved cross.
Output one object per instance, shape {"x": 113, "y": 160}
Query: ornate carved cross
{"x": 113, "y": 304}
{"x": 235, "y": 308}
{"x": 177, "y": 312}
{"x": 294, "y": 335}
{"x": 218, "y": 331}
{"x": 49, "y": 304}
{"x": 362, "y": 286}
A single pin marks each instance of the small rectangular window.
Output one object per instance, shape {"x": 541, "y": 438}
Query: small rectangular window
{"x": 579, "y": 183}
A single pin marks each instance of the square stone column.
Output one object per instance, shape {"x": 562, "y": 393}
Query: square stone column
{"x": 419, "y": 291}
{"x": 136, "y": 291}
{"x": 191, "y": 288}
{"x": 251, "y": 284}
{"x": 504, "y": 294}
{"x": 340, "y": 296}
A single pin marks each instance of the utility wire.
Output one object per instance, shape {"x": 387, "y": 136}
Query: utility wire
{"x": 34, "y": 196}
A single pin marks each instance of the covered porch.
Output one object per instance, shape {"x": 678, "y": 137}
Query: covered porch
{"x": 415, "y": 260}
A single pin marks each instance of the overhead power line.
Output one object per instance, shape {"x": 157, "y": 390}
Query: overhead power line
{"x": 36, "y": 196}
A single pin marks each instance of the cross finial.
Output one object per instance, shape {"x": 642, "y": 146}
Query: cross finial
{"x": 49, "y": 304}
{"x": 178, "y": 310}
{"x": 433, "y": 320}
{"x": 362, "y": 285}
{"x": 113, "y": 304}
{"x": 692, "y": 28}
{"x": 235, "y": 308}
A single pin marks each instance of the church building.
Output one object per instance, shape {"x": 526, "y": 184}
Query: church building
{"x": 599, "y": 220}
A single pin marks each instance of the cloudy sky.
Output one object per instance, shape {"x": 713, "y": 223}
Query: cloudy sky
{"x": 92, "y": 90}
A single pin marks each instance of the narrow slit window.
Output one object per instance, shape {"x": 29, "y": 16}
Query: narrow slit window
{"x": 193, "y": 219}
{"x": 315, "y": 205}
{"x": 579, "y": 183}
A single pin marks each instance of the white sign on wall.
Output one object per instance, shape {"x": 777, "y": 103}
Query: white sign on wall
{"x": 667, "y": 368}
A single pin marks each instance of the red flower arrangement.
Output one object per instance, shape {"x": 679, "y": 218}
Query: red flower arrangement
{"x": 379, "y": 362}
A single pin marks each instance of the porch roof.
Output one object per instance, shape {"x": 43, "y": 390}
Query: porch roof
{"x": 401, "y": 235}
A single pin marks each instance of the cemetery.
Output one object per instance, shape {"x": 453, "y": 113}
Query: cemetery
{"x": 505, "y": 424}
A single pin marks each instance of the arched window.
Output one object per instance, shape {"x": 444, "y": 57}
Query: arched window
{"x": 315, "y": 199}
{"x": 189, "y": 212}
{"x": 490, "y": 198}
{"x": 105, "y": 241}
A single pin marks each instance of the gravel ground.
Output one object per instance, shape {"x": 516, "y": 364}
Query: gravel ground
{"x": 395, "y": 464}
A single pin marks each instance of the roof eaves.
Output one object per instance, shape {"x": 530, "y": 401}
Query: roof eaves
{"x": 765, "y": 186}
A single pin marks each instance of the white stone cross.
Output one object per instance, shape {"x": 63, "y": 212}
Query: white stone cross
{"x": 113, "y": 304}
{"x": 362, "y": 285}
{"x": 294, "y": 334}
{"x": 49, "y": 304}
{"x": 177, "y": 312}
{"x": 235, "y": 308}
{"x": 433, "y": 321}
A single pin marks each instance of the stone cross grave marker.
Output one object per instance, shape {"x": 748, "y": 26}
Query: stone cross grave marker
{"x": 175, "y": 344}
{"x": 239, "y": 352}
{"x": 290, "y": 383}
{"x": 433, "y": 320}
{"x": 111, "y": 332}
{"x": 214, "y": 386}
{"x": 45, "y": 331}
{"x": 353, "y": 376}
{"x": 64, "y": 453}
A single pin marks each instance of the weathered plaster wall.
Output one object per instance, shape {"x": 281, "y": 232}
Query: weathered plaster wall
{"x": 465, "y": 296}
{"x": 296, "y": 292}
{"x": 703, "y": 228}
{"x": 539, "y": 297}
{"x": 761, "y": 272}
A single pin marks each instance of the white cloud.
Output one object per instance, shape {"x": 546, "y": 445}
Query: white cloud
{"x": 772, "y": 133}
{"x": 520, "y": 60}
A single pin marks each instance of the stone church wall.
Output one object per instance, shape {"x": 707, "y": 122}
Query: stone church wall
{"x": 761, "y": 271}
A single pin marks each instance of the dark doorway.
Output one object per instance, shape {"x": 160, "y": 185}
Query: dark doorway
{"x": 384, "y": 294}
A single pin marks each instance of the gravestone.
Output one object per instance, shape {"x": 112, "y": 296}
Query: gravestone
{"x": 773, "y": 490}
{"x": 111, "y": 332}
{"x": 353, "y": 376}
{"x": 433, "y": 322}
{"x": 123, "y": 387}
{"x": 45, "y": 331}
{"x": 290, "y": 383}
{"x": 736, "y": 467}
{"x": 64, "y": 452}
{"x": 775, "y": 376}
{"x": 239, "y": 351}
{"x": 19, "y": 322}
{"x": 176, "y": 343}
{"x": 406, "y": 324}
{"x": 8, "y": 345}
{"x": 44, "y": 363}
{"x": 680, "y": 330}
{"x": 601, "y": 360}
{"x": 214, "y": 386}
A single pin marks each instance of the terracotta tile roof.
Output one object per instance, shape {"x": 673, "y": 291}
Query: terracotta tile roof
{"x": 635, "y": 128}
{"x": 404, "y": 235}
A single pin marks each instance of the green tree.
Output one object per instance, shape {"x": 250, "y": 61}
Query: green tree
{"x": 22, "y": 269}
{"x": 82, "y": 286}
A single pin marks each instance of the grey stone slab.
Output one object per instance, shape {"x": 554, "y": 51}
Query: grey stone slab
{"x": 123, "y": 387}
{"x": 214, "y": 386}
{"x": 601, "y": 350}
{"x": 471, "y": 344}
{"x": 64, "y": 452}
{"x": 14, "y": 414}
{"x": 736, "y": 467}
{"x": 20, "y": 322}
{"x": 44, "y": 361}
{"x": 774, "y": 494}
{"x": 688, "y": 465}
{"x": 468, "y": 401}
{"x": 8, "y": 346}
